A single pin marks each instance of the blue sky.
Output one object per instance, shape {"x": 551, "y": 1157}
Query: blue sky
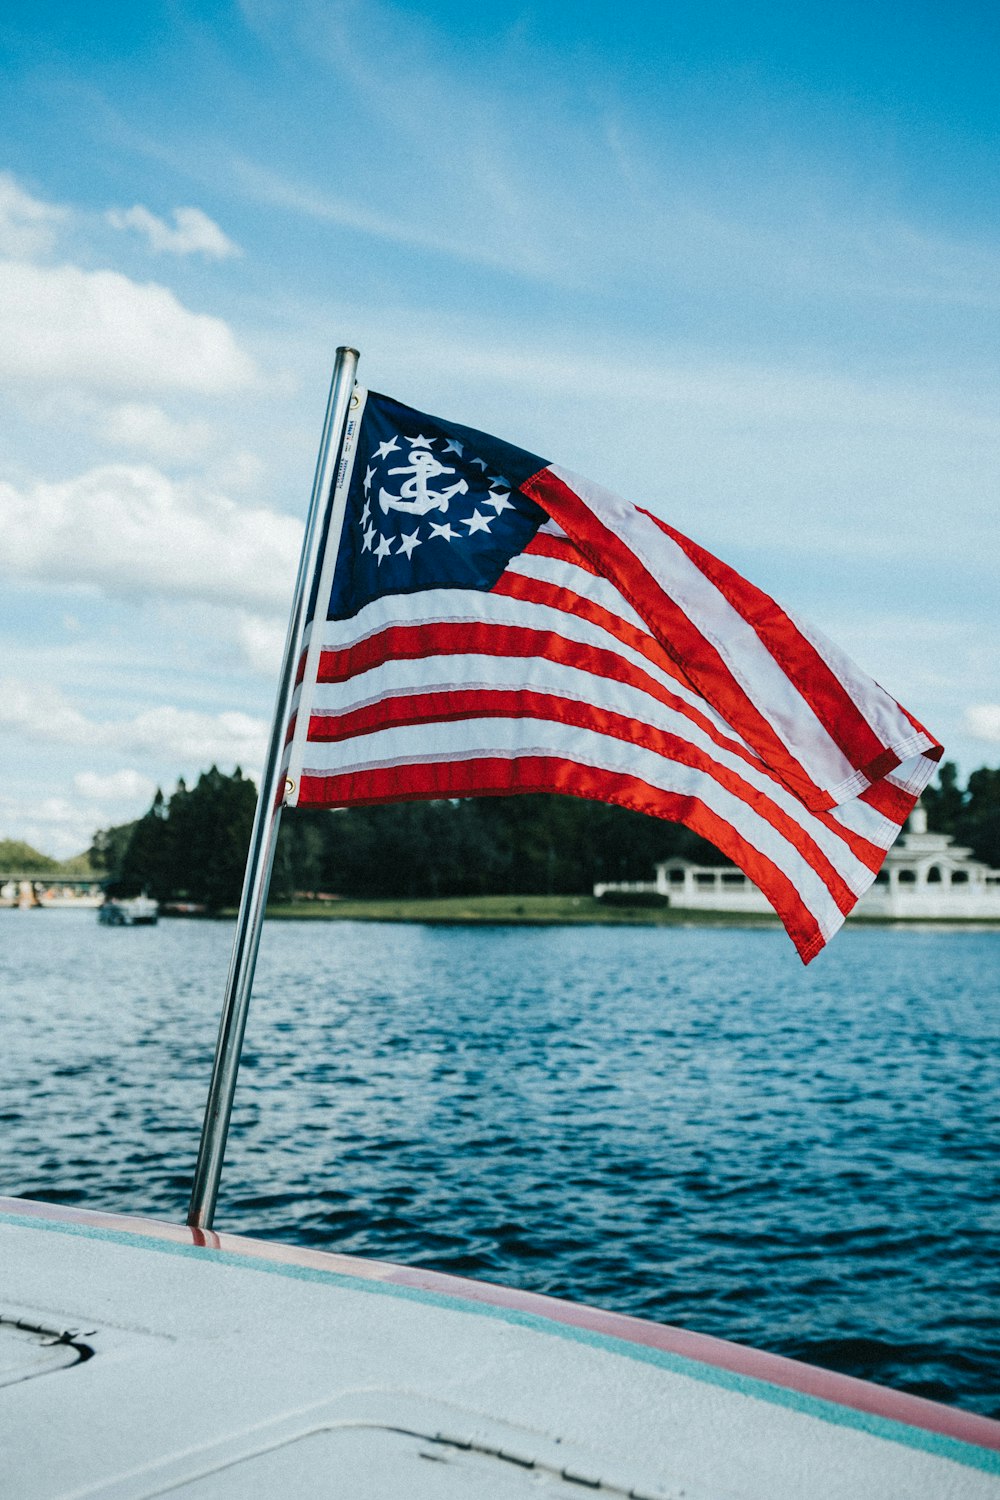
{"x": 739, "y": 262}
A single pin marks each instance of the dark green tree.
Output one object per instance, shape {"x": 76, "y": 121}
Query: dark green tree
{"x": 300, "y": 858}
{"x": 476, "y": 846}
{"x": 979, "y": 824}
{"x": 209, "y": 834}
{"x": 145, "y": 864}
{"x": 192, "y": 848}
{"x": 972, "y": 816}
{"x": 945, "y": 802}
{"x": 108, "y": 847}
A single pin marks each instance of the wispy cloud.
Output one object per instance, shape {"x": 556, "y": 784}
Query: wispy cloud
{"x": 769, "y": 454}
{"x": 982, "y": 721}
{"x": 150, "y": 430}
{"x": 451, "y": 239}
{"x": 99, "y": 330}
{"x": 131, "y": 532}
{"x": 43, "y": 715}
{"x": 261, "y": 640}
{"x": 59, "y": 825}
{"x": 135, "y": 753}
{"x": 28, "y": 226}
{"x": 502, "y": 166}
{"x": 121, "y": 788}
{"x": 193, "y": 232}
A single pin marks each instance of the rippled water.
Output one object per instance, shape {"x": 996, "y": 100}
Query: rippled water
{"x": 682, "y": 1124}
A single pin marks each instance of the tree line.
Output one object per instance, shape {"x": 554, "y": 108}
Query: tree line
{"x": 970, "y": 814}
{"x": 192, "y": 846}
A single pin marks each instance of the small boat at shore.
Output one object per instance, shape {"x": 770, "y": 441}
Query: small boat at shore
{"x": 133, "y": 911}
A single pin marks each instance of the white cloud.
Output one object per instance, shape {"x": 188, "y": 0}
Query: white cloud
{"x": 262, "y": 642}
{"x": 43, "y": 715}
{"x": 280, "y": 192}
{"x": 56, "y": 826}
{"x": 100, "y": 330}
{"x": 119, "y": 787}
{"x": 134, "y": 424}
{"x": 129, "y": 530}
{"x": 222, "y": 639}
{"x": 194, "y": 232}
{"x": 238, "y": 470}
{"x": 63, "y": 825}
{"x": 982, "y": 721}
{"x": 27, "y": 226}
{"x": 193, "y": 737}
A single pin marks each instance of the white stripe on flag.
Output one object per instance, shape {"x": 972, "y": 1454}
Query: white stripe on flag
{"x": 751, "y": 665}
{"x": 398, "y": 680}
{"x": 423, "y": 744}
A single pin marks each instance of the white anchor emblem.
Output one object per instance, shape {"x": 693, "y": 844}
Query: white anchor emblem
{"x": 414, "y": 496}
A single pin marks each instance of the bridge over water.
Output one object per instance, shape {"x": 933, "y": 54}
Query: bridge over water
{"x": 25, "y": 888}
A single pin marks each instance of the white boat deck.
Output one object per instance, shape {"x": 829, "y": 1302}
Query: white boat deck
{"x": 210, "y": 1367}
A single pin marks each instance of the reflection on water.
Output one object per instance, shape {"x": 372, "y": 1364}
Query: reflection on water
{"x": 681, "y": 1124}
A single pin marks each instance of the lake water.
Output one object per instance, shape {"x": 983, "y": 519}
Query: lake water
{"x": 678, "y": 1123}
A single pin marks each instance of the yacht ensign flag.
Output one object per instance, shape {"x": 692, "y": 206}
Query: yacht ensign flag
{"x": 486, "y": 623}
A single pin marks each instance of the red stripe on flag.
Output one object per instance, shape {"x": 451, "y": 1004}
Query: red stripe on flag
{"x": 476, "y": 638}
{"x": 416, "y": 642}
{"x": 498, "y": 777}
{"x": 512, "y": 585}
{"x": 543, "y": 544}
{"x": 796, "y": 655}
{"x": 891, "y": 801}
{"x": 451, "y": 707}
{"x": 673, "y": 629}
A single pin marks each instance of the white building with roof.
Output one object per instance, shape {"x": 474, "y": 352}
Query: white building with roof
{"x": 929, "y": 875}
{"x": 925, "y": 875}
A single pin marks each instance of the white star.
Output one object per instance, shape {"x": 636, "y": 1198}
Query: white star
{"x": 407, "y": 543}
{"x": 369, "y": 476}
{"x": 444, "y": 530}
{"x": 366, "y": 514}
{"x": 389, "y": 446}
{"x": 383, "y": 549}
{"x": 420, "y": 442}
{"x": 454, "y": 446}
{"x": 498, "y": 502}
{"x": 480, "y": 463}
{"x": 478, "y": 522}
{"x": 369, "y": 535}
{"x": 499, "y": 479}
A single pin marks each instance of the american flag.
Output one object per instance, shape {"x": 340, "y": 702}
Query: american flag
{"x": 486, "y": 623}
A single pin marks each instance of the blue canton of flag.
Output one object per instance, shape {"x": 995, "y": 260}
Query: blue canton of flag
{"x": 429, "y": 506}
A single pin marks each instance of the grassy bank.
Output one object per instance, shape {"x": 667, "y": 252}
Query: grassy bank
{"x": 517, "y": 910}
{"x": 539, "y": 911}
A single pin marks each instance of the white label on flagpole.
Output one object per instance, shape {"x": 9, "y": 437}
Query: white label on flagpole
{"x": 327, "y": 568}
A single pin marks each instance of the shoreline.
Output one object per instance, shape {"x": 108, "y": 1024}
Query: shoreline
{"x": 533, "y": 911}
{"x": 549, "y": 911}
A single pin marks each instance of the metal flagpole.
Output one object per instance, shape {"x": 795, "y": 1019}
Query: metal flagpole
{"x": 265, "y": 829}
